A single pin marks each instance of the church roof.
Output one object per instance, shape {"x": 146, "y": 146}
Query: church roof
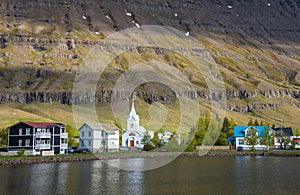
{"x": 132, "y": 113}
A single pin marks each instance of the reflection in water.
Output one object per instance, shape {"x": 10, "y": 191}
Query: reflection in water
{"x": 192, "y": 175}
{"x": 140, "y": 164}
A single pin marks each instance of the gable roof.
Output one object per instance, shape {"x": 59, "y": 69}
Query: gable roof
{"x": 41, "y": 124}
{"x": 101, "y": 127}
{"x": 286, "y": 130}
{"x": 239, "y": 131}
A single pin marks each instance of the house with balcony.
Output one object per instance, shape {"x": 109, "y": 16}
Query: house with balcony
{"x": 43, "y": 138}
{"x": 99, "y": 137}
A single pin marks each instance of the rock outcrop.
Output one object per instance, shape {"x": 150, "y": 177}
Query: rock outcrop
{"x": 69, "y": 98}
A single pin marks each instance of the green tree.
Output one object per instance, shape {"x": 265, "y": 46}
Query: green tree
{"x": 293, "y": 144}
{"x": 256, "y": 123}
{"x": 146, "y": 141}
{"x": 250, "y": 123}
{"x": 222, "y": 140}
{"x": 117, "y": 124}
{"x": 283, "y": 139}
{"x": 72, "y": 135}
{"x": 3, "y": 137}
{"x": 267, "y": 138}
{"x": 231, "y": 127}
{"x": 251, "y": 138}
{"x": 261, "y": 123}
{"x": 155, "y": 139}
{"x": 225, "y": 128}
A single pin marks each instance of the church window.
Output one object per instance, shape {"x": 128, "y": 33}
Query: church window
{"x": 131, "y": 134}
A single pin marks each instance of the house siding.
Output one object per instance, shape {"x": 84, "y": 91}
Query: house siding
{"x": 239, "y": 134}
{"x": 52, "y": 141}
{"x": 100, "y": 141}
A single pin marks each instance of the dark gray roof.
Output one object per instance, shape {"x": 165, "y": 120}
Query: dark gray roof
{"x": 286, "y": 130}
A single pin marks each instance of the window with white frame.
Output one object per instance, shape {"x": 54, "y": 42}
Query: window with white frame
{"x": 90, "y": 142}
{"x": 90, "y": 133}
{"x": 27, "y": 131}
{"x": 241, "y": 141}
{"x": 20, "y": 142}
{"x": 27, "y": 142}
{"x": 20, "y": 131}
{"x": 82, "y": 134}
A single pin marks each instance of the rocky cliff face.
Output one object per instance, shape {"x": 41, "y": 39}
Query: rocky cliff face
{"x": 255, "y": 43}
{"x": 101, "y": 96}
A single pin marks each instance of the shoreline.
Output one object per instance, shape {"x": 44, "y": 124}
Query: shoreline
{"x": 65, "y": 158}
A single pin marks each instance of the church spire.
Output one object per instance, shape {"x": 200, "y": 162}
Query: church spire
{"x": 132, "y": 113}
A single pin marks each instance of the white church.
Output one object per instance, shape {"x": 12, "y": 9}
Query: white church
{"x": 134, "y": 133}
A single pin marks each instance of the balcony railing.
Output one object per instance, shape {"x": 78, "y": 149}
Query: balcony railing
{"x": 43, "y": 135}
{"x": 42, "y": 146}
{"x": 64, "y": 135}
{"x": 63, "y": 146}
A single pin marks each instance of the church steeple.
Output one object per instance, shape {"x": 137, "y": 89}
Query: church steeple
{"x": 132, "y": 114}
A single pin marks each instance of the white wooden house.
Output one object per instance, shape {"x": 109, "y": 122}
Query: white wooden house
{"x": 99, "y": 137}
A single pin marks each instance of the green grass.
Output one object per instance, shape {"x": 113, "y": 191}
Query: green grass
{"x": 227, "y": 62}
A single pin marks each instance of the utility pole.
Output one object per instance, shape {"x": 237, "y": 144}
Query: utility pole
{"x": 281, "y": 138}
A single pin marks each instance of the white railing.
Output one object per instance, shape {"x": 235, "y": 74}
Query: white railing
{"x": 64, "y": 135}
{"x": 42, "y": 146}
{"x": 48, "y": 153}
{"x": 43, "y": 135}
{"x": 63, "y": 146}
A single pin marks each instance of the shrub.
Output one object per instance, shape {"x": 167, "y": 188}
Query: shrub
{"x": 21, "y": 152}
{"x": 148, "y": 147}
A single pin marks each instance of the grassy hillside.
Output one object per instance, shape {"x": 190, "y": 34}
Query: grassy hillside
{"x": 42, "y": 45}
{"x": 12, "y": 113}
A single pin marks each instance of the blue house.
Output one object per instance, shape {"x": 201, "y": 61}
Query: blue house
{"x": 241, "y": 131}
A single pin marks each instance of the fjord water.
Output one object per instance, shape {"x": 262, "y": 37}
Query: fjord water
{"x": 185, "y": 175}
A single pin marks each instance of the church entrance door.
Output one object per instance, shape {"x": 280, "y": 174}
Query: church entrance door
{"x": 131, "y": 143}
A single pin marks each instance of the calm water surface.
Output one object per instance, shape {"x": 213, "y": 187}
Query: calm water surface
{"x": 185, "y": 175}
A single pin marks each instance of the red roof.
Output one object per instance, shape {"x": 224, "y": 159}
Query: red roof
{"x": 42, "y": 124}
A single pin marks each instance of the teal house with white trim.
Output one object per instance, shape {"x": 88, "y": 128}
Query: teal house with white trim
{"x": 241, "y": 131}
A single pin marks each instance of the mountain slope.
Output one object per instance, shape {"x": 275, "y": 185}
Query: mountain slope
{"x": 255, "y": 43}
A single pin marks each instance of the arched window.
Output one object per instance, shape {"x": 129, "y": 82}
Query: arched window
{"x": 131, "y": 134}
